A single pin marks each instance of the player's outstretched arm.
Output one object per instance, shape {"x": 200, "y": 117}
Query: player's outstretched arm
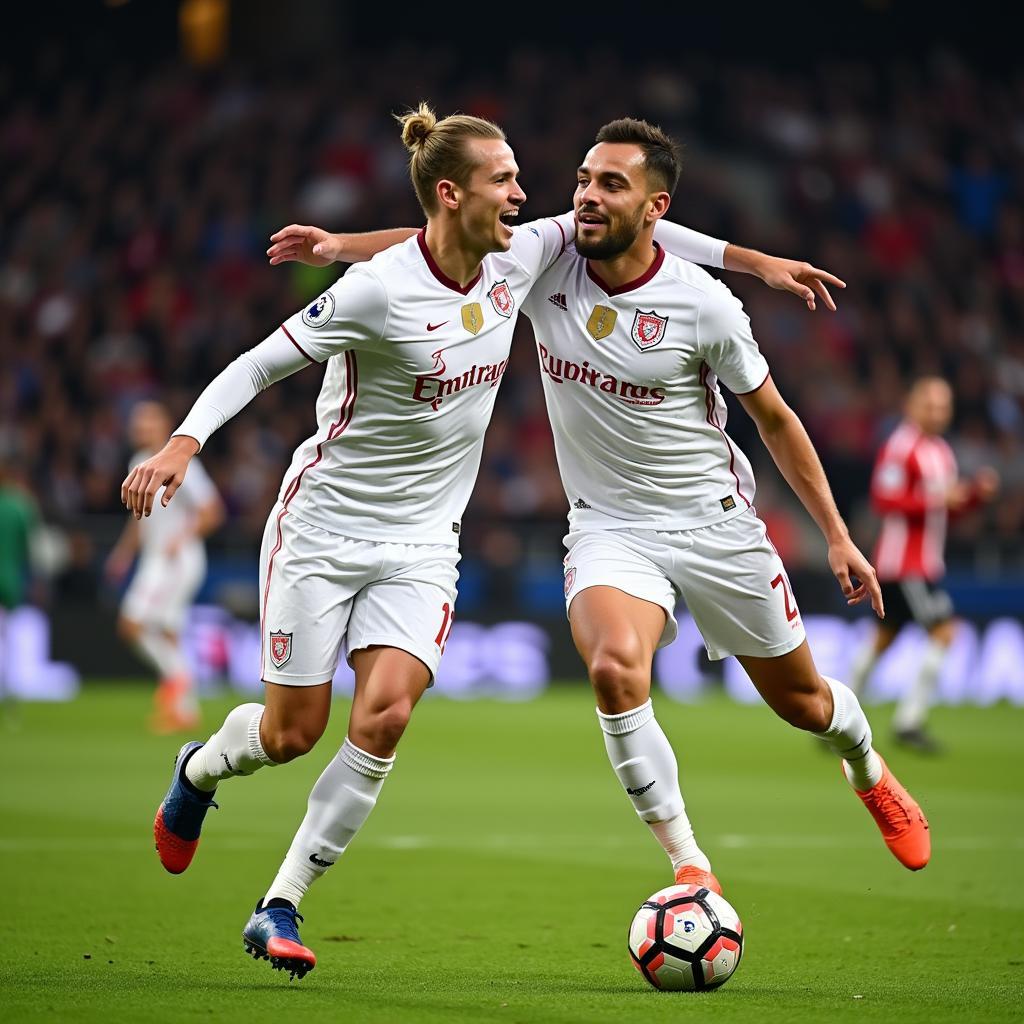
{"x": 802, "y": 279}
{"x": 229, "y": 392}
{"x": 304, "y": 243}
{"x": 785, "y": 437}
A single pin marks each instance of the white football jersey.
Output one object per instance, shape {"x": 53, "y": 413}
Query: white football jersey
{"x": 166, "y": 523}
{"x": 413, "y": 367}
{"x": 630, "y": 377}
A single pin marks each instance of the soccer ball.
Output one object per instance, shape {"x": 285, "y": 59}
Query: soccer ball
{"x": 686, "y": 938}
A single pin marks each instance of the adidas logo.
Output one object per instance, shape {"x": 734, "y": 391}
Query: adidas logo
{"x": 580, "y": 503}
{"x": 558, "y": 299}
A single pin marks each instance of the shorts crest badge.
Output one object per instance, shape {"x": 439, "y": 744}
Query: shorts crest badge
{"x": 280, "y": 648}
{"x": 319, "y": 313}
{"x": 501, "y": 299}
{"x": 570, "y": 579}
{"x": 648, "y": 329}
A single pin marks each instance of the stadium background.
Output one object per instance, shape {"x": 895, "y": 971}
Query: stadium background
{"x": 147, "y": 150}
{"x": 151, "y": 148}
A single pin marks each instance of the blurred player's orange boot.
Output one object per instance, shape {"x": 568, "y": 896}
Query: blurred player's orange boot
{"x": 690, "y": 874}
{"x": 900, "y": 820}
{"x": 175, "y": 709}
{"x": 166, "y": 722}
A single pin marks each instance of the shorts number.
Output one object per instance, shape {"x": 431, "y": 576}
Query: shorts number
{"x": 791, "y": 609}
{"x": 446, "y": 626}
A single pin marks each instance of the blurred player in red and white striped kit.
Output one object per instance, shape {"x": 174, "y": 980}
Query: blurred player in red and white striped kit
{"x": 915, "y": 488}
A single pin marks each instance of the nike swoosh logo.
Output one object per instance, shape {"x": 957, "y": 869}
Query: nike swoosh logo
{"x": 434, "y": 327}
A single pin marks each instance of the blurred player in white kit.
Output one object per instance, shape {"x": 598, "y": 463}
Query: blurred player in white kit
{"x": 171, "y": 569}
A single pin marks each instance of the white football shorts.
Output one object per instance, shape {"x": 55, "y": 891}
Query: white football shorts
{"x": 729, "y": 574}
{"x": 320, "y": 589}
{"x": 162, "y": 588}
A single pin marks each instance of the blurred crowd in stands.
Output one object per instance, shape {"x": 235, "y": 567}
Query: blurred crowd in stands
{"x": 136, "y": 205}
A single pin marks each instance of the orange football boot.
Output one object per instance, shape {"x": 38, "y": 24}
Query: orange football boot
{"x": 690, "y": 874}
{"x": 900, "y": 820}
{"x": 175, "y": 708}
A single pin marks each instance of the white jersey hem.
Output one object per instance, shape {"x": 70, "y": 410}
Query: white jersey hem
{"x": 595, "y": 520}
{"x": 397, "y": 533}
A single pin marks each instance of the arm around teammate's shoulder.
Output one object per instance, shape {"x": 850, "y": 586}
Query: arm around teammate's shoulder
{"x": 305, "y": 243}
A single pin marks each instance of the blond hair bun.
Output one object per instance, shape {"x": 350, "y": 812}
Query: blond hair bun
{"x": 417, "y": 126}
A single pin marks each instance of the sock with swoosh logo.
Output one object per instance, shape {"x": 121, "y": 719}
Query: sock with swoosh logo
{"x": 645, "y": 763}
{"x": 341, "y": 800}
{"x": 234, "y": 749}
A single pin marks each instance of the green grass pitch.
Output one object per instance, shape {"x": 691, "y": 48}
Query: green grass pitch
{"x": 497, "y": 877}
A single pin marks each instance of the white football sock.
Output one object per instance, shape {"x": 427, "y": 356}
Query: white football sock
{"x": 341, "y": 800}
{"x": 642, "y": 758}
{"x": 912, "y": 709}
{"x": 849, "y": 736}
{"x": 234, "y": 749}
{"x": 863, "y": 665}
{"x": 163, "y": 654}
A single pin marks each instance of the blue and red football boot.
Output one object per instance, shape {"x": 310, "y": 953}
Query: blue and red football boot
{"x": 273, "y": 935}
{"x": 179, "y": 818}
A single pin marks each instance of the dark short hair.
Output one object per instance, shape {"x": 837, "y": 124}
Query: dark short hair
{"x": 662, "y": 157}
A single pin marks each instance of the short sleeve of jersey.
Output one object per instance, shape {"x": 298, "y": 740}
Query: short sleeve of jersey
{"x": 539, "y": 243}
{"x": 726, "y": 341}
{"x": 351, "y": 314}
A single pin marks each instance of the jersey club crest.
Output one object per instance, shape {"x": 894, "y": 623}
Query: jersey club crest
{"x": 601, "y": 322}
{"x": 501, "y": 299}
{"x": 472, "y": 317}
{"x": 280, "y": 648}
{"x": 648, "y": 329}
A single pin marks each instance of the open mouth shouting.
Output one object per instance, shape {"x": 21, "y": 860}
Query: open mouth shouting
{"x": 508, "y": 218}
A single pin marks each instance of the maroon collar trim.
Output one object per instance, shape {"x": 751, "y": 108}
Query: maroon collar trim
{"x": 659, "y": 258}
{"x": 440, "y": 274}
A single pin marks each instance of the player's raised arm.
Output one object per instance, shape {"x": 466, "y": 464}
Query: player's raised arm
{"x": 304, "y": 243}
{"x": 796, "y": 276}
{"x": 802, "y": 279}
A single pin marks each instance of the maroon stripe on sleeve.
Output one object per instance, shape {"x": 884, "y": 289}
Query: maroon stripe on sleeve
{"x": 561, "y": 231}
{"x": 740, "y": 394}
{"x": 288, "y": 335}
